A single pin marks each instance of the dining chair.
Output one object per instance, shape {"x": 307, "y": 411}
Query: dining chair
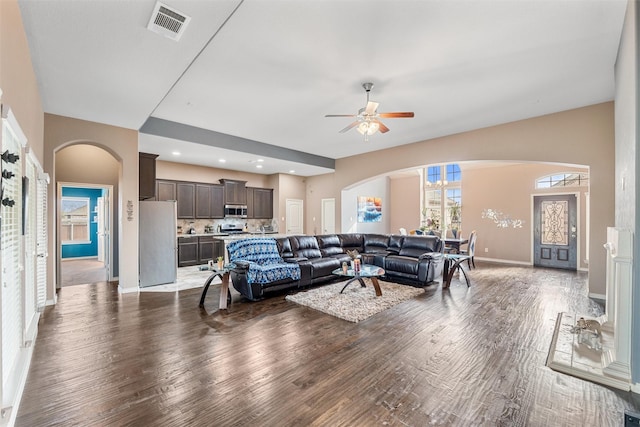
{"x": 471, "y": 248}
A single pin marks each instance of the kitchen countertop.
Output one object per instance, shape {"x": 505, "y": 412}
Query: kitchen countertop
{"x": 233, "y": 235}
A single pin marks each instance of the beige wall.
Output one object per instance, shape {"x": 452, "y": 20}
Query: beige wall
{"x": 510, "y": 190}
{"x": 183, "y": 172}
{"x": 122, "y": 144}
{"x": 582, "y": 136}
{"x": 288, "y": 187}
{"x": 404, "y": 203}
{"x": 17, "y": 78}
{"x": 626, "y": 112}
{"x": 96, "y": 167}
{"x": 319, "y": 187}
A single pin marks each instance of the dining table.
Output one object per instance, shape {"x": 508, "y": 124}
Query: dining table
{"x": 452, "y": 244}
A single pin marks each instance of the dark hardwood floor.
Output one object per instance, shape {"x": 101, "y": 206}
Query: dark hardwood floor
{"x": 459, "y": 357}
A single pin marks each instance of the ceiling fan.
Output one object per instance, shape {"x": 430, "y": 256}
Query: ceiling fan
{"x": 367, "y": 120}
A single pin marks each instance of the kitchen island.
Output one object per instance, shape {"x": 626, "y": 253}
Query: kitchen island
{"x": 199, "y": 248}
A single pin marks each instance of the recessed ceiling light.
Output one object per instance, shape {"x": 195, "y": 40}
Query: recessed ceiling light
{"x": 292, "y": 171}
{"x": 260, "y": 160}
{"x": 175, "y": 153}
{"x": 259, "y": 166}
{"x": 222, "y": 161}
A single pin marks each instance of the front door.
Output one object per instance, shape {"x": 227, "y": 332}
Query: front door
{"x": 555, "y": 232}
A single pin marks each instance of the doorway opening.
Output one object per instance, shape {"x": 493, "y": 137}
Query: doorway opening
{"x": 84, "y": 233}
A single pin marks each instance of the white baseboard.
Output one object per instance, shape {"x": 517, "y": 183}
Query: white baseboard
{"x": 593, "y": 295}
{"x": 19, "y": 381}
{"x": 503, "y": 261}
{"x": 127, "y": 290}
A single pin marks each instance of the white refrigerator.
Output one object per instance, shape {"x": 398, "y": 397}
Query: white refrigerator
{"x": 158, "y": 243}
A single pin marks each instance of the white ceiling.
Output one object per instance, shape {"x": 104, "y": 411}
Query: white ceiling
{"x": 268, "y": 71}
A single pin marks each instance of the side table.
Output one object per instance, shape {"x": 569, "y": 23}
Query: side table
{"x": 223, "y": 274}
{"x": 451, "y": 264}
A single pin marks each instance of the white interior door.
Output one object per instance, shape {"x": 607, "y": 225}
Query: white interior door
{"x": 328, "y": 216}
{"x": 295, "y": 216}
{"x": 100, "y": 231}
{"x": 104, "y": 232}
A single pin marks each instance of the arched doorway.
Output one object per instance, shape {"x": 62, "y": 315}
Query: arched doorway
{"x": 90, "y": 176}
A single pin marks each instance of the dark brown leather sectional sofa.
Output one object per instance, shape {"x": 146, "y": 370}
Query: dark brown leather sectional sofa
{"x": 412, "y": 260}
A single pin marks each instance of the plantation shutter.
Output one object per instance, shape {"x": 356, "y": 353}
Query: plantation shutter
{"x": 41, "y": 241}
{"x": 12, "y": 286}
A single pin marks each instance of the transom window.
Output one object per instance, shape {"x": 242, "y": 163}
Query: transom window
{"x": 565, "y": 179}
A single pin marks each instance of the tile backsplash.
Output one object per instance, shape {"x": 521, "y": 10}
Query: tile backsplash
{"x": 199, "y": 224}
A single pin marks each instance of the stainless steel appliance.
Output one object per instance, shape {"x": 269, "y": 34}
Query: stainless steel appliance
{"x": 158, "y": 243}
{"x": 235, "y": 211}
{"x": 232, "y": 229}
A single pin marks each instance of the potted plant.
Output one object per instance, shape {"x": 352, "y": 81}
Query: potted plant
{"x": 454, "y": 211}
{"x": 220, "y": 263}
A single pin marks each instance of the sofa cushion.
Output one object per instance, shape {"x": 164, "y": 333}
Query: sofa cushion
{"x": 395, "y": 243}
{"x": 414, "y": 246}
{"x": 321, "y": 267}
{"x": 329, "y": 245}
{"x": 284, "y": 247}
{"x": 403, "y": 265}
{"x": 351, "y": 241}
{"x": 375, "y": 243}
{"x": 305, "y": 246}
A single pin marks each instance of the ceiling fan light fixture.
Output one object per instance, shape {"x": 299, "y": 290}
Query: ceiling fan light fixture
{"x": 368, "y": 127}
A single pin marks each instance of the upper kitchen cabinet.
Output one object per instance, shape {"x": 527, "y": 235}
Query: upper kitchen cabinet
{"x": 186, "y": 196}
{"x": 259, "y": 203}
{"x": 209, "y": 201}
{"x": 146, "y": 176}
{"x": 217, "y": 201}
{"x": 262, "y": 203}
{"x": 235, "y": 192}
{"x": 165, "y": 190}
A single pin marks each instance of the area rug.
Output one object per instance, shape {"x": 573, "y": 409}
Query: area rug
{"x": 355, "y": 303}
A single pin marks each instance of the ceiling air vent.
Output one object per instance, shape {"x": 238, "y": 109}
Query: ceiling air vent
{"x": 168, "y": 22}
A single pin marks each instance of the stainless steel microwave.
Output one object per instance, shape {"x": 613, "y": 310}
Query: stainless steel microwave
{"x": 235, "y": 211}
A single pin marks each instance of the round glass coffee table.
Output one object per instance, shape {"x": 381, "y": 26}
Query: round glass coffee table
{"x": 367, "y": 271}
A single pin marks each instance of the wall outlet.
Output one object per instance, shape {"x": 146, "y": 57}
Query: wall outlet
{"x": 631, "y": 419}
{"x": 486, "y": 250}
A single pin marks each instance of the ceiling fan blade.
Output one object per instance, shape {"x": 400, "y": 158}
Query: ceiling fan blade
{"x": 382, "y": 128}
{"x": 371, "y": 108}
{"x": 396, "y": 115}
{"x": 340, "y": 115}
{"x": 352, "y": 125}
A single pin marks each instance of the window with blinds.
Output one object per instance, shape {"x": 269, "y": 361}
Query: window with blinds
{"x": 41, "y": 241}
{"x": 12, "y": 287}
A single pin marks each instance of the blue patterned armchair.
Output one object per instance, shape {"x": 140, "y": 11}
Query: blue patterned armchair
{"x": 259, "y": 268}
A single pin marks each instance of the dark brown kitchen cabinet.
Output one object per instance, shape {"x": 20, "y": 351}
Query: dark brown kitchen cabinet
{"x": 250, "y": 207}
{"x": 186, "y": 196}
{"x": 235, "y": 192}
{"x": 199, "y": 250}
{"x": 262, "y": 203}
{"x": 165, "y": 190}
{"x": 205, "y": 249}
{"x": 217, "y": 201}
{"x": 203, "y": 201}
{"x": 209, "y": 201}
{"x": 146, "y": 176}
{"x": 187, "y": 251}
